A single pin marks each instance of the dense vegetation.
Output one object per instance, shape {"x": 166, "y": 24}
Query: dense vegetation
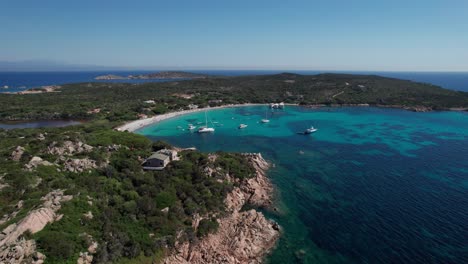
{"x": 137, "y": 213}
{"x": 118, "y": 102}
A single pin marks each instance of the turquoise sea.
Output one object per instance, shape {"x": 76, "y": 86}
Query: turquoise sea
{"x": 372, "y": 185}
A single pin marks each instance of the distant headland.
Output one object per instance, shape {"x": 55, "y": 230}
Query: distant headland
{"x": 156, "y": 75}
{"x": 124, "y": 102}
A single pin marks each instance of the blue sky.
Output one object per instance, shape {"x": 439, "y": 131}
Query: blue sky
{"x": 410, "y": 35}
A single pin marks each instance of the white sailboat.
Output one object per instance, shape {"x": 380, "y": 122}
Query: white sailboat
{"x": 206, "y": 129}
{"x": 310, "y": 130}
{"x": 265, "y": 120}
{"x": 241, "y": 126}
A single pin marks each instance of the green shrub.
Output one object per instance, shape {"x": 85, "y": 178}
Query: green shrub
{"x": 56, "y": 246}
{"x": 207, "y": 226}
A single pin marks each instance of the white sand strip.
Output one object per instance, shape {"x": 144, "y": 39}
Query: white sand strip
{"x": 140, "y": 123}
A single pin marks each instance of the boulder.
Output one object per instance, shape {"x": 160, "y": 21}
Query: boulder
{"x": 89, "y": 215}
{"x": 93, "y": 247}
{"x": 84, "y": 258}
{"x": 37, "y": 161}
{"x": 17, "y": 153}
{"x": 68, "y": 148}
{"x": 41, "y": 137}
{"x": 22, "y": 252}
{"x": 36, "y": 219}
{"x": 38, "y": 258}
{"x": 79, "y": 165}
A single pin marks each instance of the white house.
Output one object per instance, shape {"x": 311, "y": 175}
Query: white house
{"x": 159, "y": 159}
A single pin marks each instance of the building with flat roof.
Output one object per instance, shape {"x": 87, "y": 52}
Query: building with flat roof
{"x": 159, "y": 159}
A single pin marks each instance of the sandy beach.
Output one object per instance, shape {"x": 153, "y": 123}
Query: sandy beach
{"x": 134, "y": 125}
{"x": 140, "y": 123}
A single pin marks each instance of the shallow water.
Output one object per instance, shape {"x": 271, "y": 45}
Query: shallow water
{"x": 370, "y": 186}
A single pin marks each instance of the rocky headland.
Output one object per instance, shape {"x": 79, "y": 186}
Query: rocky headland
{"x": 110, "y": 77}
{"x": 242, "y": 236}
{"x": 156, "y": 75}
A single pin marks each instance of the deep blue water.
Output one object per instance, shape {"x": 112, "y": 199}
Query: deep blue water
{"x": 371, "y": 186}
{"x": 17, "y": 81}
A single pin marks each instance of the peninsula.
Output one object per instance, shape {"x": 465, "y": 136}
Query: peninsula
{"x": 80, "y": 193}
{"x": 156, "y": 76}
{"x": 118, "y": 102}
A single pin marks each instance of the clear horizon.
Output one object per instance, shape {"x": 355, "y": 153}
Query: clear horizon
{"x": 401, "y": 36}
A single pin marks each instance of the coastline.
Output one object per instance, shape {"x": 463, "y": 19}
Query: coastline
{"x": 39, "y": 90}
{"x": 403, "y": 107}
{"x": 242, "y": 236}
{"x": 134, "y": 125}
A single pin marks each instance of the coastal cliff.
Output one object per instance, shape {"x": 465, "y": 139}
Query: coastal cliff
{"x": 60, "y": 188}
{"x": 242, "y": 236}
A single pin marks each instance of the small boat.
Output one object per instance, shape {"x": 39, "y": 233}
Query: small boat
{"x": 277, "y": 105}
{"x": 241, "y": 126}
{"x": 310, "y": 130}
{"x": 265, "y": 120}
{"x": 206, "y": 129}
{"x": 191, "y": 127}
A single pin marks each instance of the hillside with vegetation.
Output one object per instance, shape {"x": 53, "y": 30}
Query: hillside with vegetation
{"x": 113, "y": 209}
{"x": 86, "y": 185}
{"x": 120, "y": 102}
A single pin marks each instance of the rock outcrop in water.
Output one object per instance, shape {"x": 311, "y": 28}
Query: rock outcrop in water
{"x": 242, "y": 236}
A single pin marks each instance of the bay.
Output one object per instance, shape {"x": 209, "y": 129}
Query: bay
{"x": 372, "y": 185}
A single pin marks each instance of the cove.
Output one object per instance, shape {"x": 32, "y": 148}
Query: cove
{"x": 372, "y": 185}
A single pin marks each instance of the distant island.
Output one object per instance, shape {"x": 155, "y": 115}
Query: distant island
{"x": 110, "y": 77}
{"x": 156, "y": 75}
